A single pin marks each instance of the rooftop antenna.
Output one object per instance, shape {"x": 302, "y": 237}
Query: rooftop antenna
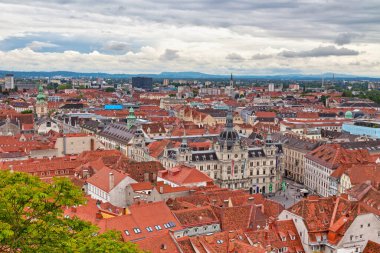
{"x": 323, "y": 81}
{"x": 333, "y": 83}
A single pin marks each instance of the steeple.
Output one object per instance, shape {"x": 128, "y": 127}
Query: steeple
{"x": 231, "y": 81}
{"x": 229, "y": 120}
{"x": 41, "y": 96}
{"x": 268, "y": 139}
{"x": 184, "y": 145}
{"x": 228, "y": 136}
{"x": 131, "y": 118}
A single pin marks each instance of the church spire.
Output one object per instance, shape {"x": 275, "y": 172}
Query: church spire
{"x": 229, "y": 119}
{"x": 231, "y": 81}
{"x": 131, "y": 118}
{"x": 41, "y": 96}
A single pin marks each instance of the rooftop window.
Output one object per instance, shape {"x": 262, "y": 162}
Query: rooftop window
{"x": 137, "y": 230}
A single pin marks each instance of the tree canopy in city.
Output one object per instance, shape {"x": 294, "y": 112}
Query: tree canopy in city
{"x": 32, "y": 220}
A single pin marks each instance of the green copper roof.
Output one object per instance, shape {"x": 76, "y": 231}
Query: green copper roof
{"x": 41, "y": 96}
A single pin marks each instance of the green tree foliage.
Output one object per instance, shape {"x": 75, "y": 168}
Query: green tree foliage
{"x": 110, "y": 89}
{"x": 324, "y": 99}
{"x": 27, "y": 112}
{"x": 31, "y": 218}
{"x": 373, "y": 95}
{"x": 347, "y": 93}
{"x": 65, "y": 86}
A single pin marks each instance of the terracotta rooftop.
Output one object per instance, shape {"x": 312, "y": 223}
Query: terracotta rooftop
{"x": 372, "y": 247}
{"x": 101, "y": 178}
{"x": 184, "y": 175}
{"x": 197, "y": 216}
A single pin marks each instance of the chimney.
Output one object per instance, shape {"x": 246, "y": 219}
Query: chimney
{"x": 344, "y": 196}
{"x": 163, "y": 246}
{"x": 251, "y": 199}
{"x": 111, "y": 181}
{"x": 98, "y": 215}
{"x": 161, "y": 189}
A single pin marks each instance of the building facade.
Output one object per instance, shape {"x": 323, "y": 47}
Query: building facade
{"x": 145, "y": 83}
{"x": 231, "y": 163}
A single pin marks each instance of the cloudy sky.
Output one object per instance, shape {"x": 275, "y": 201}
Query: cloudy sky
{"x": 212, "y": 36}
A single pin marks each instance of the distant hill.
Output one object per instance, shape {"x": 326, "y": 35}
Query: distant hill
{"x": 184, "y": 75}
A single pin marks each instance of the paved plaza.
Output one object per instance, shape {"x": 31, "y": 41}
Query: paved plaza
{"x": 290, "y": 196}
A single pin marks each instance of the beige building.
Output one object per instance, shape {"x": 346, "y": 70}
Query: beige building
{"x": 295, "y": 150}
{"x": 72, "y": 144}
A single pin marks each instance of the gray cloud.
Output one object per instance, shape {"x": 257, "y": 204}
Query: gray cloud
{"x": 320, "y": 52}
{"x": 234, "y": 57}
{"x": 345, "y": 38}
{"x": 116, "y": 46}
{"x": 169, "y": 55}
{"x": 261, "y": 56}
{"x": 274, "y": 16}
{"x": 104, "y": 31}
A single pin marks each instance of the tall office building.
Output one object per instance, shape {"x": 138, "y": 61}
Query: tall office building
{"x": 145, "y": 83}
{"x": 166, "y": 82}
{"x": 9, "y": 81}
{"x": 271, "y": 87}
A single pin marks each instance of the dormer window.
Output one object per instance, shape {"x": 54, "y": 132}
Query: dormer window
{"x": 137, "y": 230}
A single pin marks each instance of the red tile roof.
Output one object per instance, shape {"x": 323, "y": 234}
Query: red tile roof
{"x": 184, "y": 175}
{"x": 333, "y": 155}
{"x": 197, "y": 216}
{"x": 372, "y": 247}
{"x": 162, "y": 243}
{"x": 265, "y": 114}
{"x": 101, "y": 178}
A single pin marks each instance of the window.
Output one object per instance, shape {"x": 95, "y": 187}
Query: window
{"x": 219, "y": 241}
{"x": 126, "y": 232}
{"x": 368, "y": 225}
{"x": 158, "y": 227}
{"x": 137, "y": 230}
{"x": 361, "y": 226}
{"x": 149, "y": 229}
